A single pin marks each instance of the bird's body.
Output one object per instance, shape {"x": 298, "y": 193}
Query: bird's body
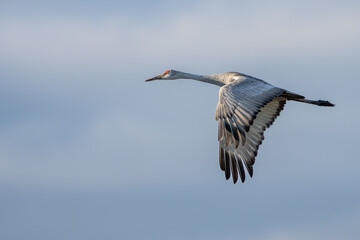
{"x": 247, "y": 106}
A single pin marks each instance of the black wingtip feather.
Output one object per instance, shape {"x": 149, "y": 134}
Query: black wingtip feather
{"x": 221, "y": 159}
{"x": 250, "y": 170}
{"x": 227, "y": 165}
{"x": 234, "y": 168}
{"x": 241, "y": 171}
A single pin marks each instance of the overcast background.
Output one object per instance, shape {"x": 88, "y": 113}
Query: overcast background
{"x": 88, "y": 150}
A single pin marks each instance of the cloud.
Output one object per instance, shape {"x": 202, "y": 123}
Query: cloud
{"x": 207, "y": 33}
{"x": 342, "y": 226}
{"x": 77, "y": 119}
{"x": 74, "y": 85}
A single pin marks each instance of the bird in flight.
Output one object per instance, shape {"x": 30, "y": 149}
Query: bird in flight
{"x": 247, "y": 107}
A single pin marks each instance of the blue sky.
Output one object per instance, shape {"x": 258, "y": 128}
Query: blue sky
{"x": 89, "y": 151}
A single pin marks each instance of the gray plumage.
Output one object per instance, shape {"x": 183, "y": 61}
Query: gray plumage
{"x": 247, "y": 107}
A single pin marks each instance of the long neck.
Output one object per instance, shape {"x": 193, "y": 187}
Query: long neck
{"x": 212, "y": 79}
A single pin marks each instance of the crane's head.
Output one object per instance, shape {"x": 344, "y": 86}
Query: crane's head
{"x": 169, "y": 74}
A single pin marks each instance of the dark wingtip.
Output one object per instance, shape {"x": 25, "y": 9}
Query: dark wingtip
{"x": 227, "y": 176}
{"x": 227, "y": 166}
{"x": 235, "y": 179}
{"x": 243, "y": 179}
{"x": 221, "y": 159}
{"x": 250, "y": 171}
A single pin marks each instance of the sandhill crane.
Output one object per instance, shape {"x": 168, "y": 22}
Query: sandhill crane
{"x": 247, "y": 106}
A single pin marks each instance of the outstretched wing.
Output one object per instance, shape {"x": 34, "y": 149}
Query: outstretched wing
{"x": 245, "y": 109}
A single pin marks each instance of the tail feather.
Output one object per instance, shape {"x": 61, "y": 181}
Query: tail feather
{"x": 318, "y": 102}
{"x": 299, "y": 98}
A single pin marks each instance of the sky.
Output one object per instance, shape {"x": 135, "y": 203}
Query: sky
{"x": 88, "y": 150}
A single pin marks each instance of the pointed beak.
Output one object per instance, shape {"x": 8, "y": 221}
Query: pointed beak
{"x": 154, "y": 78}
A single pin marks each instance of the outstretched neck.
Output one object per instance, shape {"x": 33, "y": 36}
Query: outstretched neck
{"x": 212, "y": 79}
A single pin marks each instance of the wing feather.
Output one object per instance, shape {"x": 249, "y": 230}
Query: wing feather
{"x": 246, "y": 108}
{"x": 241, "y": 170}
{"x": 234, "y": 167}
{"x": 222, "y": 158}
{"x": 227, "y": 165}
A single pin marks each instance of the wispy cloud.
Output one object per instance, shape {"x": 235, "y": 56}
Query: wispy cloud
{"x": 76, "y": 115}
{"x": 84, "y": 76}
{"x": 210, "y": 31}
